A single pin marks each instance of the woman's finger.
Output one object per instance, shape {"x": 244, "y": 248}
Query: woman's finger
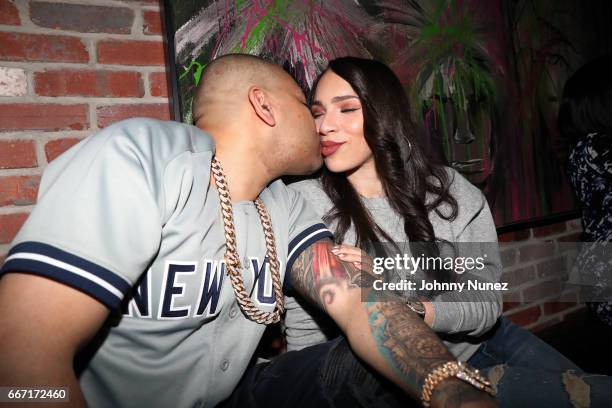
{"x": 352, "y": 254}
{"x": 349, "y": 257}
{"x": 345, "y": 249}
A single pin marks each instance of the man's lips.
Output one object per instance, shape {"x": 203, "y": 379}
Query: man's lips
{"x": 329, "y": 148}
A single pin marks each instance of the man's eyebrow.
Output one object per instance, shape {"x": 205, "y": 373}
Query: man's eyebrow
{"x": 335, "y": 99}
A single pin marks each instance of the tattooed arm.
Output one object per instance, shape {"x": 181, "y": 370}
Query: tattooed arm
{"x": 387, "y": 335}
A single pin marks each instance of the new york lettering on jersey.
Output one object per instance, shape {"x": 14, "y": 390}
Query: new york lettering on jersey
{"x": 175, "y": 300}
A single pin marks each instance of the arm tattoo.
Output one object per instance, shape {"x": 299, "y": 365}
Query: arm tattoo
{"x": 405, "y": 342}
{"x": 317, "y": 273}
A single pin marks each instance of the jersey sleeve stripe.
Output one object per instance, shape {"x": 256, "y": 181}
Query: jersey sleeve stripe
{"x": 304, "y": 240}
{"x": 308, "y": 231}
{"x": 110, "y": 297}
{"x": 54, "y": 263}
{"x": 51, "y": 252}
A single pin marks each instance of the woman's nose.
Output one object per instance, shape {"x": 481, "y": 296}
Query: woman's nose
{"x": 326, "y": 125}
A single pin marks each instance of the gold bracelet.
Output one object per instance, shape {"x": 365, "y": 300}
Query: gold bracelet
{"x": 457, "y": 369}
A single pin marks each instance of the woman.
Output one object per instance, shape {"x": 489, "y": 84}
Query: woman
{"x": 585, "y": 119}
{"x": 378, "y": 185}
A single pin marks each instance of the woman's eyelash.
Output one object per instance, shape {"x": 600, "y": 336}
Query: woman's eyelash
{"x": 345, "y": 110}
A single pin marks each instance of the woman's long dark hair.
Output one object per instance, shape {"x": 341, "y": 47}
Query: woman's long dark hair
{"x": 406, "y": 171}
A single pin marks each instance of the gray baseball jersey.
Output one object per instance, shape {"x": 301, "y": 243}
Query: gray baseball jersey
{"x": 129, "y": 217}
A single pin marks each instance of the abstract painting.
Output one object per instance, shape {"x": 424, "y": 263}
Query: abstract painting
{"x": 484, "y": 76}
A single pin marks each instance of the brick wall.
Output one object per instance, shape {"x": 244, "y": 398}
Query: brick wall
{"x": 70, "y": 68}
{"x": 536, "y": 264}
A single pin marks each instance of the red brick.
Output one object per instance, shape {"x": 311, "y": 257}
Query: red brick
{"x": 8, "y": 13}
{"x": 512, "y": 295}
{"x": 574, "y": 225}
{"x": 82, "y": 18}
{"x": 542, "y": 290}
{"x": 521, "y": 235}
{"x": 88, "y": 83}
{"x": 536, "y": 250}
{"x": 546, "y": 324}
{"x": 574, "y": 237}
{"x": 569, "y": 248}
{"x": 131, "y": 52}
{"x": 152, "y": 22}
{"x": 552, "y": 267}
{"x": 576, "y": 315}
{"x": 56, "y": 147}
{"x": 511, "y": 305}
{"x": 518, "y": 276}
{"x": 527, "y": 316}
{"x": 18, "y": 190}
{"x": 43, "y": 116}
{"x": 508, "y": 257}
{"x": 10, "y": 225}
{"x": 16, "y": 154}
{"x": 114, "y": 113}
{"x": 556, "y": 307}
{"x": 42, "y": 47}
{"x": 549, "y": 230}
{"x": 159, "y": 84}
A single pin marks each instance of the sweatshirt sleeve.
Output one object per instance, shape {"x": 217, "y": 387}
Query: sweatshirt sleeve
{"x": 473, "y": 312}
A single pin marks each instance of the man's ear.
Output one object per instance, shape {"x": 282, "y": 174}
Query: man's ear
{"x": 260, "y": 102}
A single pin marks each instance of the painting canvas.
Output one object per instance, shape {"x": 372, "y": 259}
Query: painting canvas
{"x": 484, "y": 76}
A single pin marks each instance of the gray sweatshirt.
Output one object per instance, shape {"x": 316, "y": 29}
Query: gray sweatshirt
{"x": 460, "y": 317}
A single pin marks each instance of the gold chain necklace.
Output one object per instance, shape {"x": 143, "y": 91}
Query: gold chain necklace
{"x": 232, "y": 261}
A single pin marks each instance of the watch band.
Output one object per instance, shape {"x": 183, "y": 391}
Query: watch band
{"x": 417, "y": 307}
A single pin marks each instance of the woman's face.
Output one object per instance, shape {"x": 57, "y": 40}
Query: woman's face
{"x": 338, "y": 116}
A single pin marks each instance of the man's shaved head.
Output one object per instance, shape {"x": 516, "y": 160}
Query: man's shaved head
{"x": 225, "y": 83}
{"x": 256, "y": 111}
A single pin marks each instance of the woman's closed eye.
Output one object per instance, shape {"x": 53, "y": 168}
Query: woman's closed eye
{"x": 316, "y": 113}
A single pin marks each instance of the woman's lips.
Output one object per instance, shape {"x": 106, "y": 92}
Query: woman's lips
{"x": 329, "y": 148}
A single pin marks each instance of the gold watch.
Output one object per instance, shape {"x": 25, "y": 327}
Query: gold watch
{"x": 457, "y": 369}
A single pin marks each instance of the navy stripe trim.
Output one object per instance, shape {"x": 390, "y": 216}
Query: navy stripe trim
{"x": 317, "y": 237}
{"x": 58, "y": 254}
{"x": 58, "y": 274}
{"x": 305, "y": 233}
{"x": 287, "y": 286}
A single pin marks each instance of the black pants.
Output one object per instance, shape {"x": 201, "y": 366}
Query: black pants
{"x": 325, "y": 375}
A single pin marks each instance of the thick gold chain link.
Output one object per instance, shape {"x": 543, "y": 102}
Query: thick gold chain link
{"x": 232, "y": 260}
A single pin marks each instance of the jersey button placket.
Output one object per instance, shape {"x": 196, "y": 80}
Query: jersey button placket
{"x": 224, "y": 365}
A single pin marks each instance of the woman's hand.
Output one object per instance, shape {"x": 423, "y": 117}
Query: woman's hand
{"x": 364, "y": 262}
{"x": 355, "y": 255}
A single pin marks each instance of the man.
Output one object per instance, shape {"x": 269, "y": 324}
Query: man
{"x": 142, "y": 218}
